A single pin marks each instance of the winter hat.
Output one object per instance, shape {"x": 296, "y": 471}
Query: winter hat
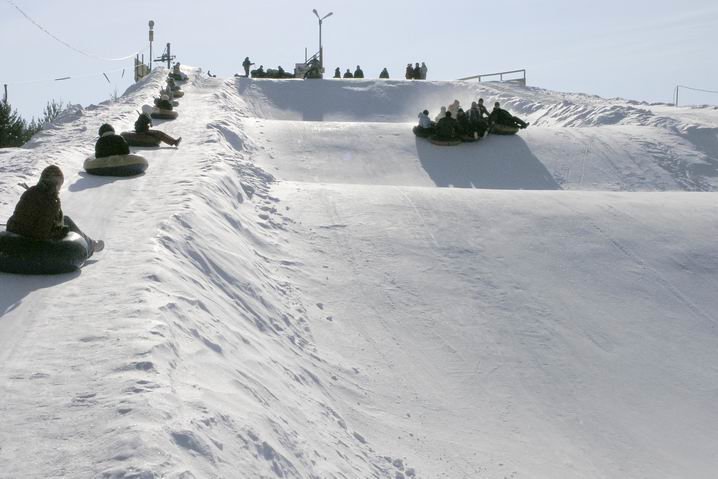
{"x": 106, "y": 128}
{"x": 147, "y": 109}
{"x": 164, "y": 97}
{"x": 52, "y": 174}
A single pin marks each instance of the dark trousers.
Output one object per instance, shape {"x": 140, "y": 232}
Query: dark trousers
{"x": 162, "y": 136}
{"x": 73, "y": 227}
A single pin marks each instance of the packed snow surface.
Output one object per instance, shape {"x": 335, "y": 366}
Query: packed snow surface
{"x": 305, "y": 290}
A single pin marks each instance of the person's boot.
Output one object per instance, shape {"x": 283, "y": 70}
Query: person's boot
{"x": 177, "y": 141}
{"x": 97, "y": 246}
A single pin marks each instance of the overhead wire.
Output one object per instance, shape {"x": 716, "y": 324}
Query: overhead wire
{"x": 77, "y": 50}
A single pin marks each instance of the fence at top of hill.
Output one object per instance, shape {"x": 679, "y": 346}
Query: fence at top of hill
{"x": 512, "y": 74}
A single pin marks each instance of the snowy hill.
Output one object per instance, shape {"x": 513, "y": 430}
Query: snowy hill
{"x": 304, "y": 289}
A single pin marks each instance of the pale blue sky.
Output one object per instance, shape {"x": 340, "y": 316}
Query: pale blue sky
{"x": 636, "y": 49}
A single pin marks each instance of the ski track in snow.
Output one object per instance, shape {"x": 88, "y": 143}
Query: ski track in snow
{"x": 304, "y": 289}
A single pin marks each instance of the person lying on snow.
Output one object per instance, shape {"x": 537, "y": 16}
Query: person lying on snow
{"x": 500, "y": 116}
{"x": 38, "y": 214}
{"x": 446, "y": 128}
{"x": 110, "y": 144}
{"x": 143, "y": 124}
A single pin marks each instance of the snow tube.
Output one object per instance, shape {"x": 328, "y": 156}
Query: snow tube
{"x": 498, "y": 129}
{"x": 178, "y": 93}
{"x": 139, "y": 139}
{"x": 421, "y": 132}
{"x": 116, "y": 165}
{"x": 469, "y": 139}
{"x": 21, "y": 255}
{"x": 444, "y": 142}
{"x": 161, "y": 114}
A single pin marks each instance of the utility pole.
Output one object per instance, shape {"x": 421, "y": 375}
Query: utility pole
{"x": 152, "y": 37}
{"x": 169, "y": 56}
{"x": 5, "y": 97}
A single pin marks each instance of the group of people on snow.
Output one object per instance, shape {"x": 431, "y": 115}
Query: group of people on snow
{"x": 358, "y": 73}
{"x": 38, "y": 214}
{"x": 416, "y": 72}
{"x": 453, "y": 123}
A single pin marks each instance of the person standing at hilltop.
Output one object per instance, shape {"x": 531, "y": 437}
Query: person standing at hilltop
{"x": 337, "y": 73}
{"x": 409, "y": 74}
{"x": 384, "y": 74}
{"x": 424, "y": 70}
{"x": 246, "y": 64}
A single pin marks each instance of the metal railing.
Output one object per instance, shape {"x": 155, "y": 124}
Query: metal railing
{"x": 520, "y": 80}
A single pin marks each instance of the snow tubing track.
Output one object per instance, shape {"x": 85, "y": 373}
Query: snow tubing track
{"x": 116, "y": 165}
{"x": 139, "y": 139}
{"x": 164, "y": 114}
{"x": 21, "y": 255}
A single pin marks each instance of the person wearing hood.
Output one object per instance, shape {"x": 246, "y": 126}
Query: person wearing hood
{"x": 442, "y": 114}
{"x": 423, "y": 70}
{"x": 499, "y": 116}
{"x": 38, "y": 214}
{"x": 384, "y": 74}
{"x": 409, "y": 74}
{"x": 110, "y": 144}
{"x": 358, "y": 73}
{"x": 417, "y": 72}
{"x": 337, "y": 73}
{"x": 348, "y": 74}
{"x": 143, "y": 124}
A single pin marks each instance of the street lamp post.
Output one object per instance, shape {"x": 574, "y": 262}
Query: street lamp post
{"x": 152, "y": 37}
{"x": 321, "y": 49}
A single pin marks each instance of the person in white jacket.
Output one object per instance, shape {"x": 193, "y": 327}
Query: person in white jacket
{"x": 426, "y": 126}
{"x": 441, "y": 114}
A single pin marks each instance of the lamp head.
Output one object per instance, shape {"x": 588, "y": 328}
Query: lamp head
{"x": 152, "y": 24}
{"x": 315, "y": 12}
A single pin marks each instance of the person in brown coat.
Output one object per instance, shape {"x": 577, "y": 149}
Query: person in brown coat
{"x": 38, "y": 214}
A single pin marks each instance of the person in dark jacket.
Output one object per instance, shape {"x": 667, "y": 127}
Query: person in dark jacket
{"x": 164, "y": 103}
{"x": 417, "y": 72}
{"x": 499, "y": 116}
{"x": 38, "y": 214}
{"x": 337, "y": 73}
{"x": 348, "y": 74}
{"x": 358, "y": 73}
{"x": 384, "y": 74}
{"x": 246, "y": 64}
{"x": 110, "y": 144}
{"x": 446, "y": 128}
{"x": 143, "y": 124}
{"x": 463, "y": 127}
{"x": 409, "y": 74}
{"x": 479, "y": 124}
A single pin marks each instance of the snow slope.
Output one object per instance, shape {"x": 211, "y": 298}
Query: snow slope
{"x": 304, "y": 289}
